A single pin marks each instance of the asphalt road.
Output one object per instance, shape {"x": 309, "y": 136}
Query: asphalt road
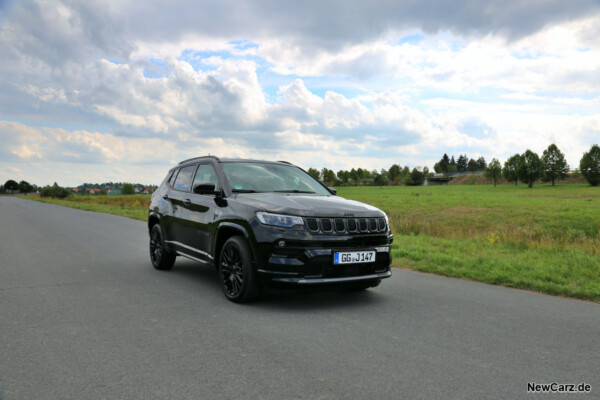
{"x": 83, "y": 315}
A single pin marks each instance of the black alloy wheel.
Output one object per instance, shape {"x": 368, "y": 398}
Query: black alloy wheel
{"x": 161, "y": 258}
{"x": 236, "y": 271}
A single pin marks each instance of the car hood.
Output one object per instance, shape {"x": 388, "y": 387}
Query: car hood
{"x": 309, "y": 205}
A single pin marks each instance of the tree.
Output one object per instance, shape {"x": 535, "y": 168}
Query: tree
{"x": 343, "y": 176}
{"x": 354, "y": 175}
{"x": 11, "y": 185}
{"x": 493, "y": 171}
{"x": 394, "y": 172}
{"x": 452, "y": 162}
{"x": 531, "y": 168}
{"x": 462, "y": 162}
{"x": 406, "y": 172}
{"x": 480, "y": 164}
{"x": 25, "y": 187}
{"x": 416, "y": 178}
{"x": 314, "y": 173}
{"x": 328, "y": 176}
{"x": 554, "y": 164}
{"x": 444, "y": 163}
{"x": 472, "y": 165}
{"x": 127, "y": 189}
{"x": 380, "y": 179}
{"x": 589, "y": 165}
{"x": 426, "y": 172}
{"x": 511, "y": 168}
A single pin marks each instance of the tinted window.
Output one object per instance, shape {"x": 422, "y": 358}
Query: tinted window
{"x": 184, "y": 178}
{"x": 172, "y": 178}
{"x": 265, "y": 177}
{"x": 206, "y": 174}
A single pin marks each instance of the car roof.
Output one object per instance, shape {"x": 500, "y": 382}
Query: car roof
{"x": 228, "y": 159}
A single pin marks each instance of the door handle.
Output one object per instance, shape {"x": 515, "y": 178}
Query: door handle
{"x": 187, "y": 202}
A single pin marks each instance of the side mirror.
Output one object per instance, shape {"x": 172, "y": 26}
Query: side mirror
{"x": 332, "y": 190}
{"x": 204, "y": 188}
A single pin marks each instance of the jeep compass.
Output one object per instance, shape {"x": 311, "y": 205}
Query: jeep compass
{"x": 263, "y": 223}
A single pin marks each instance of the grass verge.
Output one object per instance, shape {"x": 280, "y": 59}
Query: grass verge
{"x": 135, "y": 206}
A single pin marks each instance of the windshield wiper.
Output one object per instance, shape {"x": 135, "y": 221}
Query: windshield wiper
{"x": 293, "y": 191}
{"x": 243, "y": 190}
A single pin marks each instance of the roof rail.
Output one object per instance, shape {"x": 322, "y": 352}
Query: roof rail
{"x": 198, "y": 158}
{"x": 285, "y": 162}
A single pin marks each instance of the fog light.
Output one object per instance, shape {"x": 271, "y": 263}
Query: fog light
{"x": 281, "y": 243}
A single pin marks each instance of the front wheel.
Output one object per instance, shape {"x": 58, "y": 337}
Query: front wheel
{"x": 159, "y": 255}
{"x": 238, "y": 278}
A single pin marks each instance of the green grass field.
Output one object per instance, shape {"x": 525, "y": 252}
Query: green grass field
{"x": 545, "y": 239}
{"x": 127, "y": 206}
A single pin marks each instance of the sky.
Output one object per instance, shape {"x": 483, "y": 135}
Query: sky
{"x": 120, "y": 90}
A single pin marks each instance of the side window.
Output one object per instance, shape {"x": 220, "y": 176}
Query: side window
{"x": 172, "y": 178}
{"x": 184, "y": 178}
{"x": 206, "y": 174}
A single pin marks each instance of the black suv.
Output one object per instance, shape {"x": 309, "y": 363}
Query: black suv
{"x": 263, "y": 223}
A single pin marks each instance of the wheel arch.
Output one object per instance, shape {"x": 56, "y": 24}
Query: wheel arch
{"x": 153, "y": 219}
{"x": 227, "y": 230}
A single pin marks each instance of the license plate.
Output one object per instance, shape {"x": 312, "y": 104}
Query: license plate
{"x": 353, "y": 257}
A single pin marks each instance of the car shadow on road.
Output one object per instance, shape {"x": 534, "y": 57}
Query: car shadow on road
{"x": 303, "y": 300}
{"x": 282, "y": 299}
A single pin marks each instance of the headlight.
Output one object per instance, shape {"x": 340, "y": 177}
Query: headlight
{"x": 279, "y": 219}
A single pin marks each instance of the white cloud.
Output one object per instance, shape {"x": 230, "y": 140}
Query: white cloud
{"x": 112, "y": 86}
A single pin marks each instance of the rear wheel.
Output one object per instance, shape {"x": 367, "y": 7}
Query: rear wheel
{"x": 159, "y": 255}
{"x": 237, "y": 275}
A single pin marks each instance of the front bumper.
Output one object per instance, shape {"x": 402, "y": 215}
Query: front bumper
{"x": 331, "y": 281}
{"x": 308, "y": 261}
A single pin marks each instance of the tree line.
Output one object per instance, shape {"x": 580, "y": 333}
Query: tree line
{"x": 57, "y": 191}
{"x": 396, "y": 175}
{"x": 527, "y": 167}
{"x": 462, "y": 164}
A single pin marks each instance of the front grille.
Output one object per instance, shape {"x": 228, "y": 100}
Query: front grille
{"x": 362, "y": 223}
{"x": 345, "y": 225}
{"x": 326, "y": 225}
{"x": 312, "y": 224}
{"x": 372, "y": 224}
{"x": 351, "y": 225}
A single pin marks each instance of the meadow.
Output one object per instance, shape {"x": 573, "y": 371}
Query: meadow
{"x": 545, "y": 239}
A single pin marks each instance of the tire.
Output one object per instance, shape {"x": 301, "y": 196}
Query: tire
{"x": 236, "y": 272}
{"x": 160, "y": 257}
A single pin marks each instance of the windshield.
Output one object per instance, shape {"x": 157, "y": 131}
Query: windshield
{"x": 263, "y": 177}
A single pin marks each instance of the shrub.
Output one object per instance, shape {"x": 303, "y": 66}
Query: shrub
{"x": 127, "y": 188}
{"x": 590, "y": 165}
{"x": 54, "y": 191}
